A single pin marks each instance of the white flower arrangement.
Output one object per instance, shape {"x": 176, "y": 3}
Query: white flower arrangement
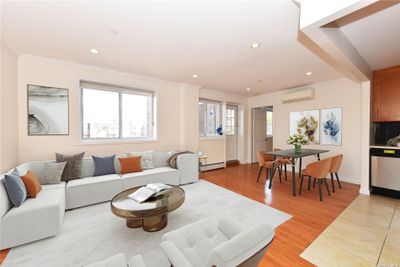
{"x": 298, "y": 140}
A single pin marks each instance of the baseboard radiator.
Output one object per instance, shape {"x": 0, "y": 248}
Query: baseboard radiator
{"x": 212, "y": 166}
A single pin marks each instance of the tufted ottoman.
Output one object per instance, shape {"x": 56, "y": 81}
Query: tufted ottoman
{"x": 223, "y": 243}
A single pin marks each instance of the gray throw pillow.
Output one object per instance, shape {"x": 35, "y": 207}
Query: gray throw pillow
{"x": 15, "y": 187}
{"x": 73, "y": 168}
{"x": 53, "y": 173}
{"x": 104, "y": 165}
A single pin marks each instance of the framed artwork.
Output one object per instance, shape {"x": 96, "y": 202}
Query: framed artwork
{"x": 306, "y": 123}
{"x": 47, "y": 110}
{"x": 331, "y": 126}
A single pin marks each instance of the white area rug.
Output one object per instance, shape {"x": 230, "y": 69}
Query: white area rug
{"x": 93, "y": 233}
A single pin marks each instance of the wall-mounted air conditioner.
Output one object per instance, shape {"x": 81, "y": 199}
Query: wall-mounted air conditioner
{"x": 296, "y": 95}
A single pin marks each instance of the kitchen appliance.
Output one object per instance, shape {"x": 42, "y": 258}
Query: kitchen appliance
{"x": 385, "y": 171}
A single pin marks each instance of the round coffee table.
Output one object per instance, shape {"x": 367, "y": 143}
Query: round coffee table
{"x": 151, "y": 215}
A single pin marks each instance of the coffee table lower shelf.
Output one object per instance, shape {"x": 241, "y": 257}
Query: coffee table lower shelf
{"x": 151, "y": 224}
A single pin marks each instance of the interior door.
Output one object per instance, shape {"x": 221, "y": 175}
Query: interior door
{"x": 259, "y": 122}
{"x": 231, "y": 132}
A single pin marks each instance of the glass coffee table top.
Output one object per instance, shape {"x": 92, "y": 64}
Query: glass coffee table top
{"x": 152, "y": 214}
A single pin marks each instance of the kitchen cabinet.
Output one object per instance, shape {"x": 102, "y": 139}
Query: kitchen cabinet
{"x": 386, "y": 95}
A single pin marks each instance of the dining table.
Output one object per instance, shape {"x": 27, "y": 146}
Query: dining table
{"x": 293, "y": 156}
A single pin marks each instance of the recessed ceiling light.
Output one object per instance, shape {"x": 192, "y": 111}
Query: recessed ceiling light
{"x": 248, "y": 89}
{"x": 94, "y": 51}
{"x": 255, "y": 45}
{"x": 308, "y": 73}
{"x": 195, "y": 76}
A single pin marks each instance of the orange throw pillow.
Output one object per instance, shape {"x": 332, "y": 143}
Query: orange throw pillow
{"x": 131, "y": 164}
{"x": 32, "y": 184}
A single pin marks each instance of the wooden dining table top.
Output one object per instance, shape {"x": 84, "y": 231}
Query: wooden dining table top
{"x": 290, "y": 153}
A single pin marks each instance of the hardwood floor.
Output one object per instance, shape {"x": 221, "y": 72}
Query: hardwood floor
{"x": 310, "y": 216}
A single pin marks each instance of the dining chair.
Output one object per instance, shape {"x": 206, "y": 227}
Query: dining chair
{"x": 282, "y": 163}
{"x": 266, "y": 161}
{"x": 333, "y": 170}
{"x": 318, "y": 170}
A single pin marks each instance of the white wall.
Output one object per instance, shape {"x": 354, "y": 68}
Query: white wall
{"x": 176, "y": 122}
{"x": 8, "y": 110}
{"x": 342, "y": 93}
{"x": 215, "y": 148}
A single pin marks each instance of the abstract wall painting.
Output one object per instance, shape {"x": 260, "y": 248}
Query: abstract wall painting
{"x": 47, "y": 110}
{"x": 331, "y": 126}
{"x": 306, "y": 123}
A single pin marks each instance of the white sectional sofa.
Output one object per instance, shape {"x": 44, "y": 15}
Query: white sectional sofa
{"x": 42, "y": 217}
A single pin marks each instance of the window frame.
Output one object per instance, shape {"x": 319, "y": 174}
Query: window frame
{"x": 231, "y": 130}
{"x": 220, "y": 104}
{"x": 120, "y": 90}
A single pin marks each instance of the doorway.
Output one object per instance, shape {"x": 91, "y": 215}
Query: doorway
{"x": 262, "y": 131}
{"x": 231, "y": 124}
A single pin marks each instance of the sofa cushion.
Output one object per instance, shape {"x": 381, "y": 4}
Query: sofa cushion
{"x": 15, "y": 188}
{"x": 32, "y": 184}
{"x": 5, "y": 203}
{"x": 130, "y": 164}
{"x": 35, "y": 219}
{"x": 164, "y": 175}
{"x": 104, "y": 165}
{"x": 53, "y": 172}
{"x": 92, "y": 190}
{"x": 61, "y": 185}
{"x": 146, "y": 160}
{"x": 160, "y": 159}
{"x": 73, "y": 168}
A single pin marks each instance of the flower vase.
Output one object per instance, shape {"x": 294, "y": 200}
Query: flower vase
{"x": 297, "y": 148}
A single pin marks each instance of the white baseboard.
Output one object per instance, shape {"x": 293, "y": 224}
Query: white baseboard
{"x": 213, "y": 166}
{"x": 348, "y": 180}
{"x": 364, "y": 191}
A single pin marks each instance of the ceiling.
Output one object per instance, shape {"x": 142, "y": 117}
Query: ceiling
{"x": 377, "y": 37}
{"x": 172, "y": 40}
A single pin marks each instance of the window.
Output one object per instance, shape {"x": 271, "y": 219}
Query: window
{"x": 112, "y": 112}
{"x": 269, "y": 123}
{"x": 210, "y": 117}
{"x": 230, "y": 120}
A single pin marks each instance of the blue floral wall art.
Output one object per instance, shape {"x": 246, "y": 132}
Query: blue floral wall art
{"x": 331, "y": 126}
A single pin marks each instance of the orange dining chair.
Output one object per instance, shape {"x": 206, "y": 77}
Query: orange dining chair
{"x": 335, "y": 166}
{"x": 318, "y": 170}
{"x": 266, "y": 161}
{"x": 282, "y": 163}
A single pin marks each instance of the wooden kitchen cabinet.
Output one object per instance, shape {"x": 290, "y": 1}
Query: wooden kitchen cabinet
{"x": 386, "y": 95}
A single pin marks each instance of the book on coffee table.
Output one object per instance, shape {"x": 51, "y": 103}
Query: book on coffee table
{"x": 148, "y": 191}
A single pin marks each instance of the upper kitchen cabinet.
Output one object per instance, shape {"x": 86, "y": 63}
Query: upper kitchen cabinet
{"x": 386, "y": 95}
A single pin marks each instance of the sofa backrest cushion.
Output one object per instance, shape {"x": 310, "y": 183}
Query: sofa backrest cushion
{"x": 160, "y": 159}
{"x": 5, "y": 204}
{"x": 87, "y": 167}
